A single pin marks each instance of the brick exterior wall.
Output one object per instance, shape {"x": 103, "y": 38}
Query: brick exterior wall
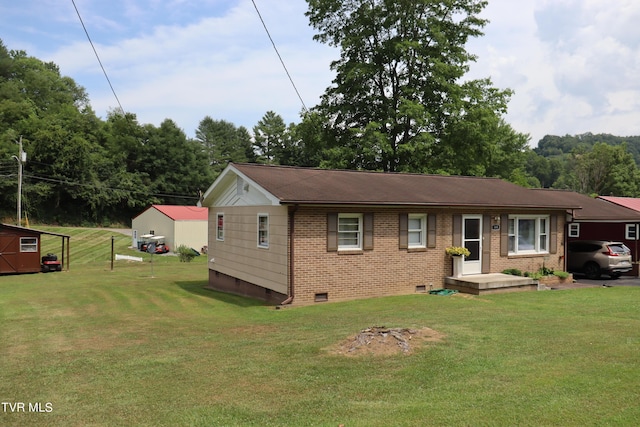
{"x": 345, "y": 275}
{"x": 388, "y": 270}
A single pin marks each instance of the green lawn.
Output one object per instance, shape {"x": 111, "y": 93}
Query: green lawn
{"x": 97, "y": 347}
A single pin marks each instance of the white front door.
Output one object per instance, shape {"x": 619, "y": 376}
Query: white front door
{"x": 472, "y": 240}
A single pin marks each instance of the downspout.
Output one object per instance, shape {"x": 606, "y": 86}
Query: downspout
{"x": 292, "y": 217}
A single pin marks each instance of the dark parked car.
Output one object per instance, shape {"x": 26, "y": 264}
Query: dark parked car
{"x": 596, "y": 257}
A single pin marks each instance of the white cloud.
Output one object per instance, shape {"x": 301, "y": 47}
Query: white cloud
{"x": 221, "y": 66}
{"x": 573, "y": 64}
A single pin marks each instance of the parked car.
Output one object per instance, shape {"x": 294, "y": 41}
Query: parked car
{"x": 596, "y": 257}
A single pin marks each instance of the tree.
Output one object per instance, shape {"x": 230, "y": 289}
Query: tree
{"x": 174, "y": 164}
{"x": 222, "y": 142}
{"x": 606, "y": 170}
{"x": 398, "y": 82}
{"x": 603, "y": 170}
{"x": 306, "y": 142}
{"x": 545, "y": 171}
{"x": 269, "y": 137}
{"x": 476, "y": 140}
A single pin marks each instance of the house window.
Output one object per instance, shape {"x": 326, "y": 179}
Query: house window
{"x": 417, "y": 227}
{"x": 528, "y": 234}
{"x": 349, "y": 231}
{"x": 631, "y": 232}
{"x": 220, "y": 227}
{"x": 263, "y": 230}
{"x": 574, "y": 230}
{"x": 28, "y": 244}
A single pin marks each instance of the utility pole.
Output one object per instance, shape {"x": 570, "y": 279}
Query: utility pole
{"x": 22, "y": 158}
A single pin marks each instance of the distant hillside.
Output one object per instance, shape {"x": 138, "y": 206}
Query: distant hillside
{"x": 552, "y": 146}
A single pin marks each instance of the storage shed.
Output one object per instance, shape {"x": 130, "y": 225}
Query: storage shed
{"x": 180, "y": 225}
{"x": 20, "y": 249}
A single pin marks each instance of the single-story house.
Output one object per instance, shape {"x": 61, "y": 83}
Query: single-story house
{"x": 20, "y": 249}
{"x": 302, "y": 235}
{"x": 180, "y": 225}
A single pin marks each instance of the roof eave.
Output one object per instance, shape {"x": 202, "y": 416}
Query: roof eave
{"x": 418, "y": 204}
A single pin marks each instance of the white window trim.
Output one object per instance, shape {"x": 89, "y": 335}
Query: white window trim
{"x": 422, "y": 231}
{"x": 574, "y": 229}
{"x": 29, "y": 247}
{"x": 218, "y": 229}
{"x": 261, "y": 244}
{"x": 537, "y": 234}
{"x": 628, "y": 228}
{"x": 358, "y": 246}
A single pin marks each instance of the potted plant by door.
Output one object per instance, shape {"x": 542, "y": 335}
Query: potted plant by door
{"x": 457, "y": 253}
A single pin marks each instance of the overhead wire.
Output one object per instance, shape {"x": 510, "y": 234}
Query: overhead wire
{"x": 127, "y": 190}
{"x": 122, "y": 109}
{"x": 279, "y": 57}
{"x": 98, "y": 57}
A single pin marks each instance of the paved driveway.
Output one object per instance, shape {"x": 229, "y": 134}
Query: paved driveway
{"x": 583, "y": 282}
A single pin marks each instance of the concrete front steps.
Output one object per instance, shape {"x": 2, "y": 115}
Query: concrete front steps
{"x": 482, "y": 284}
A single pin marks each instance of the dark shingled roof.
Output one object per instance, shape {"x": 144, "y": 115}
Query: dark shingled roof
{"x": 592, "y": 209}
{"x": 296, "y": 185}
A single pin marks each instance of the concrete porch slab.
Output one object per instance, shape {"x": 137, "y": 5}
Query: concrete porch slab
{"x": 481, "y": 284}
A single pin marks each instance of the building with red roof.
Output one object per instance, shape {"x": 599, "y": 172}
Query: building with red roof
{"x": 627, "y": 202}
{"x": 180, "y": 225}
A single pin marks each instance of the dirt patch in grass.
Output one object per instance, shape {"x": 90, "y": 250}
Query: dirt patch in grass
{"x": 383, "y": 341}
{"x": 471, "y": 297}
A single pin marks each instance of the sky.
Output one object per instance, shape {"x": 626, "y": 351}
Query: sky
{"x": 574, "y": 65}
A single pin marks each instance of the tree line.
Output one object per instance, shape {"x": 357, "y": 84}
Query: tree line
{"x": 399, "y": 103}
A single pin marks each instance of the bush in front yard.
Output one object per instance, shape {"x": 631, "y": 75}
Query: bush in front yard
{"x": 561, "y": 274}
{"x": 185, "y": 253}
{"x": 512, "y": 271}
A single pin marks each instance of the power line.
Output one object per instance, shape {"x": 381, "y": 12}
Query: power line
{"x": 126, "y": 190}
{"x": 280, "y": 57}
{"x": 98, "y": 57}
{"x": 80, "y": 184}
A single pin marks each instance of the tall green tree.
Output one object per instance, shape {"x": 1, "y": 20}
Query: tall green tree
{"x": 60, "y": 134}
{"x": 269, "y": 137}
{"x": 398, "y": 86}
{"x": 606, "y": 170}
{"x": 476, "y": 140}
{"x": 176, "y": 169}
{"x": 545, "y": 171}
{"x": 222, "y": 142}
